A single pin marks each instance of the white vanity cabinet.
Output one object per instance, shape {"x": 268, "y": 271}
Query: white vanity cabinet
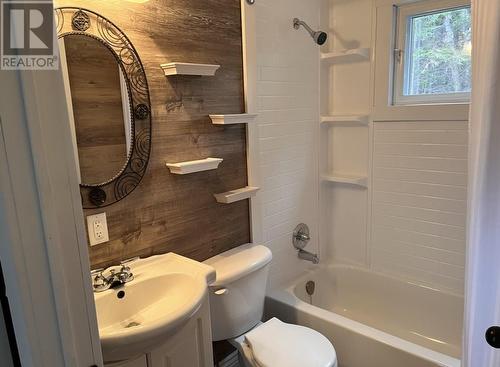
{"x": 136, "y": 362}
{"x": 189, "y": 346}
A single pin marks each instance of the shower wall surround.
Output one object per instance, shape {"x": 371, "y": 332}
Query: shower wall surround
{"x": 178, "y": 212}
{"x": 288, "y": 107}
{"x": 410, "y": 220}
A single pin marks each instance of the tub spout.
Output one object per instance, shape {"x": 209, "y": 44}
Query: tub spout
{"x": 306, "y": 255}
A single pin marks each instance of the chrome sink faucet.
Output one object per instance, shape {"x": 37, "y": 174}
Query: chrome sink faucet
{"x": 101, "y": 282}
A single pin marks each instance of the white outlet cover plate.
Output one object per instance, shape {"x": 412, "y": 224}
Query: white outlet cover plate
{"x": 97, "y": 228}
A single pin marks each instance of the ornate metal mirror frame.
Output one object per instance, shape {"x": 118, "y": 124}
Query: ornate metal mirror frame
{"x": 79, "y": 21}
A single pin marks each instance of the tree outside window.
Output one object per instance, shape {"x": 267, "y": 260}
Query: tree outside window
{"x": 438, "y": 49}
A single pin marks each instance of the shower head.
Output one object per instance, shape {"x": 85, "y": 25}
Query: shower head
{"x": 318, "y": 36}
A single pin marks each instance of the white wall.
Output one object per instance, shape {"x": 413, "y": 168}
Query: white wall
{"x": 410, "y": 222}
{"x": 288, "y": 107}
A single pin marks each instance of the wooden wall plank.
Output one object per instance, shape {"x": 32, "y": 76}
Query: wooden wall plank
{"x": 179, "y": 213}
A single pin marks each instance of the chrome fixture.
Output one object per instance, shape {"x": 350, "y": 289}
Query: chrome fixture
{"x": 306, "y": 255}
{"x": 300, "y": 239}
{"x": 318, "y": 36}
{"x": 310, "y": 287}
{"x": 100, "y": 282}
{"x": 301, "y": 236}
{"x": 251, "y": 2}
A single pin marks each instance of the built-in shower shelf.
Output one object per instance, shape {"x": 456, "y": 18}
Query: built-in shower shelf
{"x": 345, "y": 119}
{"x": 184, "y": 168}
{"x": 236, "y": 195}
{"x": 346, "y": 179}
{"x": 186, "y": 68}
{"x": 237, "y": 118}
{"x": 344, "y": 56}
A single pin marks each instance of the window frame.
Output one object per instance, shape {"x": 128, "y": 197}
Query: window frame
{"x": 401, "y": 51}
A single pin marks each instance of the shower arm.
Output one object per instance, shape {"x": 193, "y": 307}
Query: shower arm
{"x": 297, "y": 23}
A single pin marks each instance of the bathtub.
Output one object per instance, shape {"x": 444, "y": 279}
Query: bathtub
{"x": 374, "y": 320}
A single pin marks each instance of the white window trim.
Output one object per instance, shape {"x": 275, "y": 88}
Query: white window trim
{"x": 403, "y": 12}
{"x": 383, "y": 71}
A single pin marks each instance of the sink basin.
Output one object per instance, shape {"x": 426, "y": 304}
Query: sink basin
{"x": 166, "y": 291}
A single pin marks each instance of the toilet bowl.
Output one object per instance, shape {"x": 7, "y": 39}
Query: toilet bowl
{"x": 237, "y": 304}
{"x": 278, "y": 344}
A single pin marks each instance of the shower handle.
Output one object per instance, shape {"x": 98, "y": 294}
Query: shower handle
{"x": 300, "y": 238}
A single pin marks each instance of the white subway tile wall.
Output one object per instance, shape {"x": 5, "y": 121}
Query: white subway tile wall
{"x": 410, "y": 223}
{"x": 288, "y": 107}
{"x": 419, "y": 201}
{"x": 419, "y": 174}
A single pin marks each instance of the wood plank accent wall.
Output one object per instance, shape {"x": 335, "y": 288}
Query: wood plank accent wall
{"x": 171, "y": 212}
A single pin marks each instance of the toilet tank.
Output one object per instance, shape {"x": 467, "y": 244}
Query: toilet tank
{"x": 237, "y": 296}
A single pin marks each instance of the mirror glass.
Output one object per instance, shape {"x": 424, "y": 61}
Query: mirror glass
{"x": 98, "y": 101}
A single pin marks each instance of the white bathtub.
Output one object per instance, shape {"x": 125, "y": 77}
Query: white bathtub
{"x": 374, "y": 320}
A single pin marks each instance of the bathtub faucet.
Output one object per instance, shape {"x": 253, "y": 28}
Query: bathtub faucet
{"x": 306, "y": 255}
{"x": 300, "y": 238}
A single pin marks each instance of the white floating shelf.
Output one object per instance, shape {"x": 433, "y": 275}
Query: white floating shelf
{"x": 239, "y": 118}
{"x": 344, "y": 56}
{"x": 185, "y": 68}
{"x": 345, "y": 119}
{"x": 346, "y": 179}
{"x": 236, "y": 195}
{"x": 183, "y": 168}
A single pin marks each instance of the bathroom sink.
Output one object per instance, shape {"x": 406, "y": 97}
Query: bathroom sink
{"x": 166, "y": 291}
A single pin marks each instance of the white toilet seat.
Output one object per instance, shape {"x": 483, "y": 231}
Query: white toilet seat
{"x": 278, "y": 344}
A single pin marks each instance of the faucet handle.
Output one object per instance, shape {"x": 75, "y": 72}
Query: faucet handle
{"x": 97, "y": 276}
{"x": 96, "y": 272}
{"x": 300, "y": 236}
{"x": 124, "y": 263}
{"x": 99, "y": 281}
{"x": 125, "y": 274}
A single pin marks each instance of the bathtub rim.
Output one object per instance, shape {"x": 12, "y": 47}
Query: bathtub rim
{"x": 284, "y": 293}
{"x": 315, "y": 268}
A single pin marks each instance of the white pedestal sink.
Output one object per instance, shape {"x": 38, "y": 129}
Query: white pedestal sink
{"x": 166, "y": 292}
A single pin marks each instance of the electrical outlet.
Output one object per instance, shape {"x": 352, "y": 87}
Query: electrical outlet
{"x": 97, "y": 228}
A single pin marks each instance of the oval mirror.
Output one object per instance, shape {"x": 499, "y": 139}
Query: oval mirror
{"x": 108, "y": 102}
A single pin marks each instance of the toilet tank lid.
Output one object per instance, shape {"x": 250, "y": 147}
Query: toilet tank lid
{"x": 238, "y": 262}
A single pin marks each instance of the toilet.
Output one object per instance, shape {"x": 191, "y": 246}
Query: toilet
{"x": 237, "y": 305}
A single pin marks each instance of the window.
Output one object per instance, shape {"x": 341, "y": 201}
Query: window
{"x": 433, "y": 53}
